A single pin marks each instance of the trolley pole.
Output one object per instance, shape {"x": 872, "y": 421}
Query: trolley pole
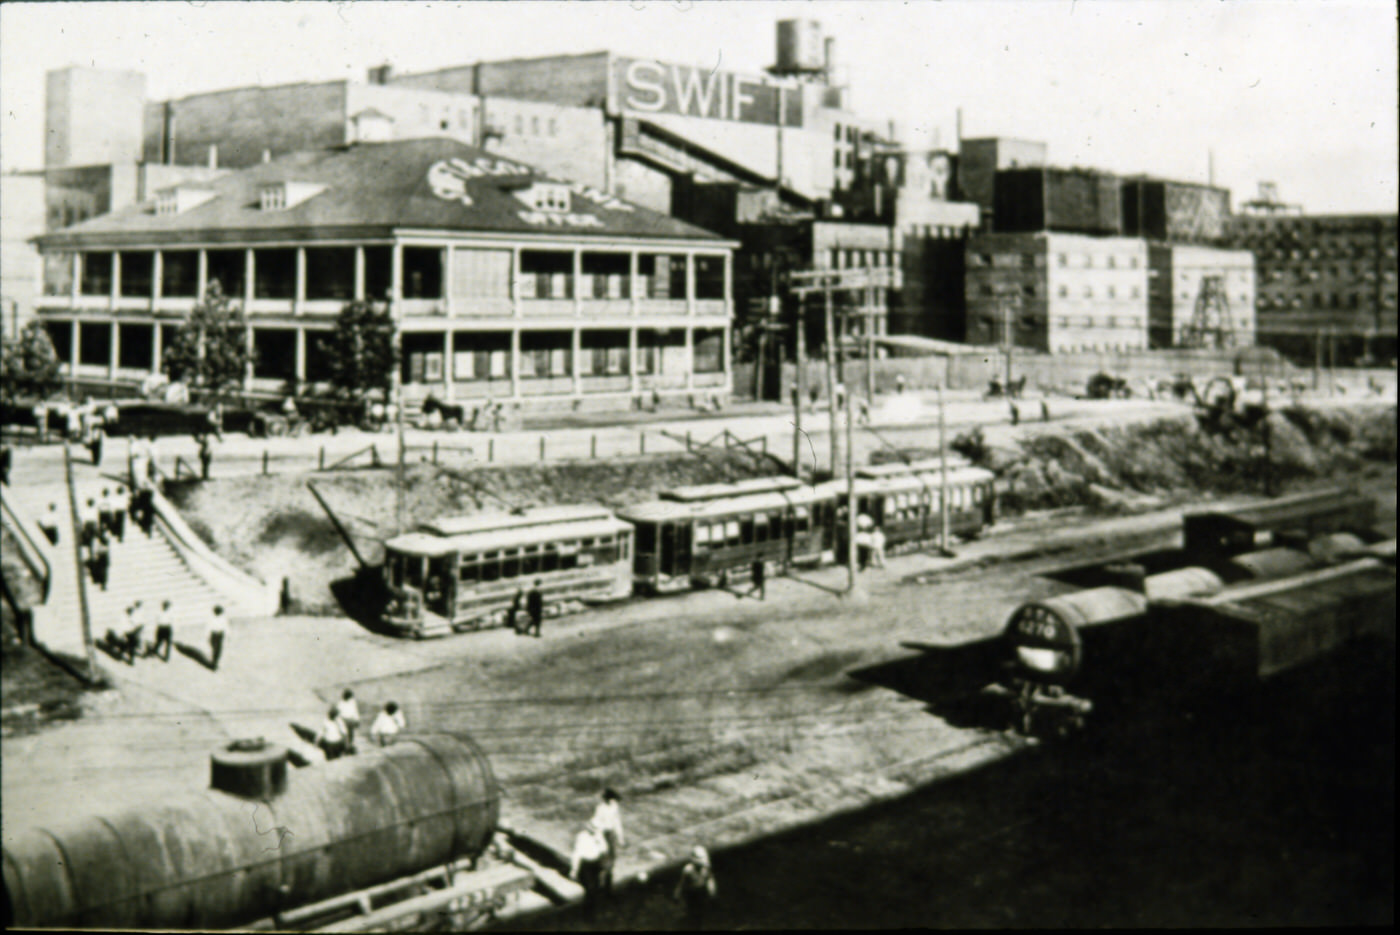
{"x": 78, "y": 563}
{"x": 870, "y": 348}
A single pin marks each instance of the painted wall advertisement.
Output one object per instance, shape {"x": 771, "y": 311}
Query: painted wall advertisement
{"x": 643, "y": 86}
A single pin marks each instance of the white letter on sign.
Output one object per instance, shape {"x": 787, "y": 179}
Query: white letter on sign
{"x": 740, "y": 99}
{"x": 694, "y": 88}
{"x": 636, "y": 83}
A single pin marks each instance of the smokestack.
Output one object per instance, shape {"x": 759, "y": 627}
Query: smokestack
{"x": 168, "y": 141}
{"x": 829, "y": 56}
{"x": 213, "y": 157}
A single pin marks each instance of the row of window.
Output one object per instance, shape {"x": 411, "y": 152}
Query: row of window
{"x": 330, "y": 273}
{"x": 917, "y": 504}
{"x": 1035, "y": 260}
{"x": 1032, "y": 322}
{"x": 505, "y": 564}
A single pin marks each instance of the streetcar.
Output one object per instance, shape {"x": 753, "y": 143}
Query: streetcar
{"x": 465, "y": 572}
{"x": 908, "y": 509}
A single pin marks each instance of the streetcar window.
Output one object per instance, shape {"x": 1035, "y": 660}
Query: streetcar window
{"x": 510, "y": 564}
{"x": 549, "y": 559}
{"x": 469, "y": 571}
{"x": 646, "y": 538}
{"x": 746, "y": 530}
{"x": 490, "y": 566}
{"x": 801, "y": 519}
{"x": 413, "y": 568}
{"x": 568, "y": 555}
{"x": 530, "y": 561}
{"x": 731, "y": 532}
{"x": 760, "y": 527}
{"x": 396, "y": 571}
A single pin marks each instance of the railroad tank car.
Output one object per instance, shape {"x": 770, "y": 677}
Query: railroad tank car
{"x": 259, "y": 842}
{"x": 1210, "y": 534}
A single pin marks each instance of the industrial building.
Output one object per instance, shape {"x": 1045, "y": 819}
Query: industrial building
{"x": 1326, "y": 282}
{"x": 1057, "y": 292}
{"x": 1199, "y": 296}
{"x": 503, "y": 281}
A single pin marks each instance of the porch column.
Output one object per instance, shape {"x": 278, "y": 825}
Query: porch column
{"x": 578, "y": 286}
{"x": 690, "y": 285}
{"x": 515, "y": 363}
{"x": 299, "y": 296}
{"x": 114, "y": 349}
{"x": 157, "y": 346}
{"x": 75, "y": 288}
{"x": 157, "y": 274}
{"x": 201, "y": 275}
{"x": 359, "y": 274}
{"x": 447, "y": 252}
{"x": 249, "y": 273}
{"x": 396, "y": 279}
{"x": 729, "y": 278}
{"x": 575, "y": 360}
{"x": 301, "y": 357}
{"x": 115, "y": 292}
{"x": 448, "y": 377}
{"x": 689, "y": 357}
{"x": 632, "y": 383}
{"x": 77, "y": 346}
{"x": 633, "y": 287}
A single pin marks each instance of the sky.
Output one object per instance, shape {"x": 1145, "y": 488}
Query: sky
{"x": 1299, "y": 92}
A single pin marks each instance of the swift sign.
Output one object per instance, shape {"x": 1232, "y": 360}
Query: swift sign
{"x": 650, "y": 87}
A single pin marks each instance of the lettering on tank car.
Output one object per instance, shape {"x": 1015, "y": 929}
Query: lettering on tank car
{"x": 1039, "y": 624}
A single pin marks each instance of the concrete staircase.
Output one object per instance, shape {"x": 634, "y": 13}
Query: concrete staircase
{"x": 146, "y": 568}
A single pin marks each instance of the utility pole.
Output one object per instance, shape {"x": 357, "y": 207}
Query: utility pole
{"x": 78, "y": 562}
{"x": 799, "y": 385}
{"x": 396, "y": 391}
{"x": 1008, "y": 339}
{"x": 943, "y": 474}
{"x": 870, "y": 347}
{"x": 852, "y": 583}
{"x": 831, "y": 377}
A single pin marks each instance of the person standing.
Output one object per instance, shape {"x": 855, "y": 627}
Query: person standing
{"x": 105, "y": 522}
{"x": 131, "y": 632}
{"x": 877, "y": 547}
{"x": 6, "y": 459}
{"x": 513, "y": 613}
{"x": 101, "y": 561}
{"x": 331, "y": 739}
{"x": 139, "y": 455}
{"x": 153, "y": 464}
{"x": 121, "y": 503}
{"x": 96, "y": 437}
{"x": 218, "y": 627}
{"x": 388, "y": 725}
{"x": 41, "y": 421}
{"x": 349, "y": 711}
{"x": 88, "y": 518}
{"x": 534, "y": 606}
{"x": 1044, "y": 411}
{"x": 206, "y": 456}
{"x": 607, "y": 818}
{"x": 586, "y": 864}
{"x": 899, "y": 384}
{"x": 48, "y": 524}
{"x": 759, "y": 573}
{"x": 696, "y": 888}
{"x": 165, "y": 632}
{"x": 1015, "y": 414}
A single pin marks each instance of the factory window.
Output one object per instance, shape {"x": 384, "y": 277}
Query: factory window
{"x": 1028, "y": 261}
{"x": 179, "y": 273}
{"x": 330, "y": 273}
{"x": 1132, "y": 262}
{"x": 546, "y": 354}
{"x": 1110, "y": 322}
{"x": 275, "y": 353}
{"x": 607, "y": 276}
{"x": 1088, "y": 261}
{"x": 422, "y": 272}
{"x": 134, "y": 347}
{"x": 1063, "y": 260}
{"x": 519, "y": 125}
{"x": 663, "y": 276}
{"x": 838, "y": 132}
{"x": 136, "y": 273}
{"x": 603, "y": 353}
{"x": 1137, "y": 292}
{"x": 1112, "y": 290}
{"x": 1064, "y": 292}
{"x": 462, "y": 119}
{"x": 61, "y": 337}
{"x": 275, "y": 274}
{"x": 987, "y": 289}
{"x": 553, "y": 126}
{"x": 1029, "y": 289}
{"x": 534, "y": 126}
{"x": 96, "y": 274}
{"x": 319, "y": 352}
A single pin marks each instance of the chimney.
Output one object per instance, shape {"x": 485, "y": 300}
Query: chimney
{"x": 381, "y": 74}
{"x": 213, "y": 157}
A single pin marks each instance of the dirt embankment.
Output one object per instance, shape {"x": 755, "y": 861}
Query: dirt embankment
{"x": 1122, "y": 468}
{"x": 273, "y": 527}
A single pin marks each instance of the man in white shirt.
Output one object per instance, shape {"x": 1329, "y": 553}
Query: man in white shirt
{"x": 349, "y": 712}
{"x": 387, "y": 725}
{"x": 607, "y": 818}
{"x": 331, "y": 739}
{"x": 218, "y": 626}
{"x": 586, "y": 863}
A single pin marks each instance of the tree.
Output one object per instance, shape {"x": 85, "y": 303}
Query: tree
{"x": 209, "y": 350}
{"x": 29, "y": 366}
{"x": 362, "y": 351}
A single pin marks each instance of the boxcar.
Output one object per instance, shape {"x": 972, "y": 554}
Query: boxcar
{"x": 463, "y": 573}
{"x": 1227, "y": 532}
{"x": 711, "y": 539}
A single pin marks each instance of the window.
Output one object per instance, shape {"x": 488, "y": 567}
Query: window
{"x": 1088, "y": 261}
{"x": 546, "y": 274}
{"x": 553, "y": 126}
{"x": 709, "y": 277}
{"x": 519, "y": 125}
{"x": 330, "y": 272}
{"x": 1088, "y": 292}
{"x": 1064, "y": 292}
{"x": 274, "y": 274}
{"x": 709, "y": 351}
{"x": 1063, "y": 260}
{"x": 226, "y": 267}
{"x": 422, "y": 273}
{"x": 273, "y": 198}
{"x": 96, "y": 274}
{"x": 534, "y": 126}
{"x": 1112, "y": 291}
{"x": 1112, "y": 262}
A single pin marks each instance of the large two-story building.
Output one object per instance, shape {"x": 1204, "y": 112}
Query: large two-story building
{"x": 503, "y": 281}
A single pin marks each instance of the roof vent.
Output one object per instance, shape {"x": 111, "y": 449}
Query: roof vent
{"x": 251, "y": 769}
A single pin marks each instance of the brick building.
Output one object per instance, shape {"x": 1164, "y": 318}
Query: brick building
{"x": 503, "y": 281}
{"x": 1325, "y": 283}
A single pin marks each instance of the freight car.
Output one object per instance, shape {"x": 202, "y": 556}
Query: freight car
{"x": 1212, "y": 534}
{"x": 1048, "y": 642}
{"x": 258, "y": 842}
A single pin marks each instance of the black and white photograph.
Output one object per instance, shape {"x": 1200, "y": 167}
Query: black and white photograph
{"x": 685, "y": 465}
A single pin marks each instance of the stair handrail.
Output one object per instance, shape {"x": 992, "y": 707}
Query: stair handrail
{"x": 30, "y": 551}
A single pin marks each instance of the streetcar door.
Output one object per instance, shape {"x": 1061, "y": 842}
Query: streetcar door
{"x": 675, "y": 549}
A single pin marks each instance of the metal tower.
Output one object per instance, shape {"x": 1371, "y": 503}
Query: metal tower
{"x": 1211, "y": 324}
